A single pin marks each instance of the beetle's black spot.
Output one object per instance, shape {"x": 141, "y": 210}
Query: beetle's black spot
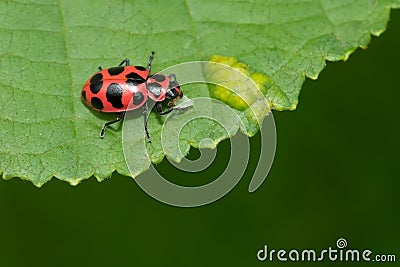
{"x": 97, "y": 103}
{"x": 83, "y": 94}
{"x": 133, "y": 82}
{"x": 141, "y": 68}
{"x": 173, "y": 84}
{"x": 158, "y": 77}
{"x": 96, "y": 78}
{"x": 115, "y": 70}
{"x": 138, "y": 98}
{"x": 96, "y": 86}
{"x": 154, "y": 88}
{"x": 134, "y": 78}
{"x": 114, "y": 95}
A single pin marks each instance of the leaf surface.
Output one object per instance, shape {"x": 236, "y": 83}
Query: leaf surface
{"x": 50, "y": 48}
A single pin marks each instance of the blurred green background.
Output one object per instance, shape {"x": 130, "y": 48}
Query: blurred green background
{"x": 336, "y": 174}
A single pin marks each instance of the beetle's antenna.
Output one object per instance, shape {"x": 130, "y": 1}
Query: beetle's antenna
{"x": 172, "y": 77}
{"x": 150, "y": 60}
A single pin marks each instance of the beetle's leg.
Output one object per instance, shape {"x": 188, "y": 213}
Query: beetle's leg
{"x": 145, "y": 111}
{"x": 150, "y": 60}
{"x": 160, "y": 111}
{"x": 125, "y": 61}
{"x": 100, "y": 68}
{"x": 120, "y": 116}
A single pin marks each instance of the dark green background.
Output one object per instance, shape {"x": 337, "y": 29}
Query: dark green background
{"x": 336, "y": 174}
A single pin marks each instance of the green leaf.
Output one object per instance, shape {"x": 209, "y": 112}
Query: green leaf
{"x": 49, "y": 49}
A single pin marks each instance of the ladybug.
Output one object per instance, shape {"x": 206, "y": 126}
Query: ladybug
{"x": 125, "y": 87}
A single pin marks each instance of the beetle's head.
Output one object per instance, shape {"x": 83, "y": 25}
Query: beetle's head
{"x": 174, "y": 90}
